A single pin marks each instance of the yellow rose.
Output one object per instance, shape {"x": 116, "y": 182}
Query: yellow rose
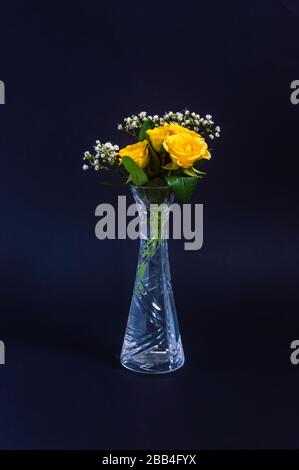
{"x": 185, "y": 149}
{"x": 158, "y": 135}
{"x": 138, "y": 152}
{"x": 177, "y": 129}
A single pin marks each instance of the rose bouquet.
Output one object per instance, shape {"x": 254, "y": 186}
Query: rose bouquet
{"x": 169, "y": 151}
{"x": 164, "y": 161}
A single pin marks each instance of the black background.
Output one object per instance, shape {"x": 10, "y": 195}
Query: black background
{"x": 72, "y": 70}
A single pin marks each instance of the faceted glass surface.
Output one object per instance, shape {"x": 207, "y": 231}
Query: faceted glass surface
{"x": 152, "y": 340}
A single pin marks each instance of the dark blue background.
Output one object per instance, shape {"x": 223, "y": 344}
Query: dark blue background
{"x": 72, "y": 70}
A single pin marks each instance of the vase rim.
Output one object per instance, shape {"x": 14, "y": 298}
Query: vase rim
{"x": 149, "y": 187}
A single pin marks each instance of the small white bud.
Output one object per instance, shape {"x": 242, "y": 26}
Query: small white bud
{"x": 85, "y": 167}
{"x": 208, "y": 117}
{"x": 119, "y": 127}
{"x": 217, "y": 129}
{"x": 211, "y": 136}
{"x": 217, "y": 134}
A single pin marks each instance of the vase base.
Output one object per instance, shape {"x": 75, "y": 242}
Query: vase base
{"x": 151, "y": 367}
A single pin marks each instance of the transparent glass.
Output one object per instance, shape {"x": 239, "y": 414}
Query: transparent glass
{"x": 152, "y": 342}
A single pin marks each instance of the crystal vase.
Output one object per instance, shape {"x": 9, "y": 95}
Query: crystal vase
{"x": 152, "y": 342}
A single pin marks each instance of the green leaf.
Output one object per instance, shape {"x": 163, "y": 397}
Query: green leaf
{"x": 137, "y": 174}
{"x": 154, "y": 158}
{"x": 170, "y": 166}
{"x": 158, "y": 181}
{"x": 148, "y": 124}
{"x": 182, "y": 186}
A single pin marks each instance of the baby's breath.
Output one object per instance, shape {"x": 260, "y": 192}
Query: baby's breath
{"x": 105, "y": 157}
{"x": 204, "y": 125}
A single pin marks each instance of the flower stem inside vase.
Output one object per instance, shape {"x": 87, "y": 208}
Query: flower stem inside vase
{"x": 152, "y": 340}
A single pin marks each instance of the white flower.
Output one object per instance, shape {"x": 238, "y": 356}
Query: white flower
{"x": 119, "y": 127}
{"x": 217, "y": 134}
{"x": 208, "y": 117}
{"x": 217, "y": 129}
{"x": 193, "y": 114}
{"x": 97, "y": 168}
{"x": 211, "y": 136}
{"x": 187, "y": 112}
{"x": 85, "y": 167}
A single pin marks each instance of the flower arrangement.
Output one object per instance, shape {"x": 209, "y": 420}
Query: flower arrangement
{"x": 169, "y": 151}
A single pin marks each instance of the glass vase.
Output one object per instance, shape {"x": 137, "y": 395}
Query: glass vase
{"x": 152, "y": 342}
